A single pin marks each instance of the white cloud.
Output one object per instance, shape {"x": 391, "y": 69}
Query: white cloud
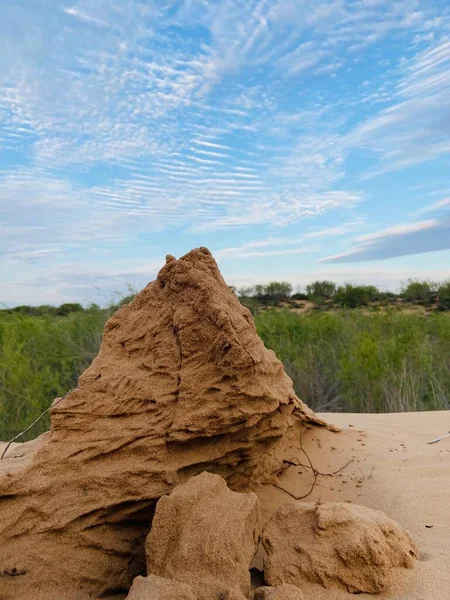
{"x": 200, "y": 115}
{"x": 247, "y": 252}
{"x": 251, "y": 249}
{"x": 278, "y": 209}
{"x": 78, "y": 14}
{"x": 211, "y": 144}
{"x": 401, "y": 240}
{"x": 416, "y": 127}
{"x": 339, "y": 230}
{"x": 442, "y": 203}
{"x": 31, "y": 255}
{"x": 84, "y": 282}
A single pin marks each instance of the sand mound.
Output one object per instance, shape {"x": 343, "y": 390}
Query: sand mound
{"x": 182, "y": 384}
{"x": 335, "y": 544}
{"x": 205, "y": 535}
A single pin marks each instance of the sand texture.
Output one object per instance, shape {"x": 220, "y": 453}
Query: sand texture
{"x": 336, "y": 544}
{"x": 285, "y": 591}
{"x": 206, "y": 535}
{"x": 182, "y": 384}
{"x": 393, "y": 470}
{"x": 158, "y": 588}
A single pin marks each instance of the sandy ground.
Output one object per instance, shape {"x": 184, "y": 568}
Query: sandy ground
{"x": 393, "y": 469}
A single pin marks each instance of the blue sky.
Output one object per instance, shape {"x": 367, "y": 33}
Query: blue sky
{"x": 297, "y": 140}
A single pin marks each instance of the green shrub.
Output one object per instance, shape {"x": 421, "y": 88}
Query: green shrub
{"x": 415, "y": 291}
{"x": 320, "y": 290}
{"x": 444, "y": 296}
{"x": 251, "y": 303}
{"x": 41, "y": 358}
{"x": 387, "y": 295}
{"x": 269, "y": 294}
{"x": 277, "y": 290}
{"x": 359, "y": 362}
{"x": 66, "y": 309}
{"x": 351, "y": 296}
{"x": 299, "y": 296}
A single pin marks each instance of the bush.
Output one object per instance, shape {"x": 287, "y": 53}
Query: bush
{"x": 270, "y": 293}
{"x": 45, "y": 310}
{"x": 444, "y": 296}
{"x": 41, "y": 358}
{"x": 387, "y": 295}
{"x": 299, "y": 296}
{"x": 388, "y": 361}
{"x": 352, "y": 296}
{"x": 278, "y": 290}
{"x": 34, "y": 311}
{"x": 251, "y": 303}
{"x": 320, "y": 290}
{"x": 66, "y": 309}
{"x": 415, "y": 291}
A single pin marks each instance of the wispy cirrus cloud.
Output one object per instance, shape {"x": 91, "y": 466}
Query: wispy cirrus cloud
{"x": 415, "y": 128}
{"x": 125, "y": 119}
{"x": 280, "y": 246}
{"x": 79, "y": 14}
{"x": 250, "y": 251}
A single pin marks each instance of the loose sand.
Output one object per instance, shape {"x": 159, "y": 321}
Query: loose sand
{"x": 395, "y": 470}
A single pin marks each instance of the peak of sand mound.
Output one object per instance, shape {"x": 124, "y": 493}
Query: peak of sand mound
{"x": 182, "y": 384}
{"x": 335, "y": 544}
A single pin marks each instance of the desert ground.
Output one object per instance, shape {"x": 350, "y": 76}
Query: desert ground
{"x": 394, "y": 470}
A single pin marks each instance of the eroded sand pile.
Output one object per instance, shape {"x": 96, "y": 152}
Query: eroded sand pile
{"x": 204, "y": 536}
{"x": 182, "y": 384}
{"x": 336, "y": 545}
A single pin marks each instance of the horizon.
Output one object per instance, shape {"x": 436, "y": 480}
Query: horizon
{"x": 245, "y": 290}
{"x": 296, "y": 142}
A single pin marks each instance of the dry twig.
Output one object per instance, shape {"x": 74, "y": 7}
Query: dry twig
{"x": 314, "y": 471}
{"x": 34, "y": 423}
{"x": 438, "y": 439}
